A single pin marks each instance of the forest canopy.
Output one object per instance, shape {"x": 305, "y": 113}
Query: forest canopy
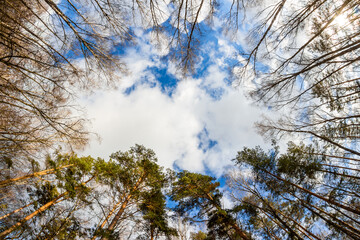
{"x": 301, "y": 59}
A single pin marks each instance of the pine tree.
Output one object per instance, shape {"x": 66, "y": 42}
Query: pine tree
{"x": 193, "y": 191}
{"x": 48, "y": 196}
{"x": 294, "y": 192}
{"x": 136, "y": 182}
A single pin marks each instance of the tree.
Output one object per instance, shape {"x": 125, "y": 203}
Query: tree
{"x": 136, "y": 182}
{"x": 49, "y": 50}
{"x": 153, "y": 208}
{"x": 62, "y": 161}
{"x": 195, "y": 191}
{"x": 80, "y": 197}
{"x": 61, "y": 185}
{"x": 199, "y": 236}
{"x": 305, "y": 58}
{"x": 34, "y": 76}
{"x": 291, "y": 194}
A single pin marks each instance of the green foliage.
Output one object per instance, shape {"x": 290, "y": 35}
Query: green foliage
{"x": 199, "y": 236}
{"x": 134, "y": 177}
{"x": 198, "y": 197}
{"x": 194, "y": 190}
{"x": 71, "y": 178}
{"x": 153, "y": 208}
{"x": 291, "y": 194}
{"x": 65, "y": 180}
{"x": 298, "y": 163}
{"x": 46, "y": 193}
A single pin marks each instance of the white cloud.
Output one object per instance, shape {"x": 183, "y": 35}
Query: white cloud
{"x": 180, "y": 127}
{"x": 170, "y": 126}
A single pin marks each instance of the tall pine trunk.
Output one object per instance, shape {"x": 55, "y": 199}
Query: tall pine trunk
{"x": 233, "y": 224}
{"x": 30, "y": 216}
{"x": 107, "y": 219}
{"x": 315, "y": 194}
{"x": 16, "y": 210}
{"x": 40, "y": 210}
{"x": 123, "y": 207}
{"x": 6, "y": 182}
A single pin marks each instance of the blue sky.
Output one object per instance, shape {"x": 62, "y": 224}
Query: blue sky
{"x": 197, "y": 123}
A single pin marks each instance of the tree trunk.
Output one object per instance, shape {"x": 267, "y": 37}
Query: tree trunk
{"x": 107, "y": 218}
{"x": 30, "y": 216}
{"x": 341, "y": 174}
{"x": 152, "y": 233}
{"x": 333, "y": 156}
{"x": 40, "y": 210}
{"x": 351, "y": 232}
{"x": 237, "y": 229}
{"x": 300, "y": 227}
{"x": 277, "y": 217}
{"x": 17, "y": 210}
{"x": 6, "y": 182}
{"x": 315, "y": 194}
{"x": 122, "y": 208}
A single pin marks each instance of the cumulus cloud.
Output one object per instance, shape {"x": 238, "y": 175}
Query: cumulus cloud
{"x": 171, "y": 125}
{"x": 199, "y": 126}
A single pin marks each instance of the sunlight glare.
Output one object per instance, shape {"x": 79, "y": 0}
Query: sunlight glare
{"x": 341, "y": 20}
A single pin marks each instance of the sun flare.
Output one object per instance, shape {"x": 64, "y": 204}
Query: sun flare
{"x": 341, "y": 20}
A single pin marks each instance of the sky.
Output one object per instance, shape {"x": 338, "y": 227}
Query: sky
{"x": 197, "y": 123}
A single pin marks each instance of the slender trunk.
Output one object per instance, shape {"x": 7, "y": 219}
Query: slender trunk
{"x": 273, "y": 213}
{"x": 107, "y": 218}
{"x": 274, "y": 220}
{"x": 346, "y": 215}
{"x": 268, "y": 230}
{"x": 276, "y": 216}
{"x": 315, "y": 194}
{"x": 324, "y": 138}
{"x": 119, "y": 213}
{"x": 233, "y": 224}
{"x": 239, "y": 231}
{"x": 123, "y": 206}
{"x": 289, "y": 231}
{"x": 334, "y": 218}
{"x": 352, "y": 232}
{"x": 40, "y": 210}
{"x": 63, "y": 222}
{"x": 333, "y": 156}
{"x": 340, "y": 174}
{"x": 344, "y": 191}
{"x": 300, "y": 226}
{"x": 152, "y": 233}
{"x": 44, "y": 226}
{"x": 6, "y": 182}
{"x": 282, "y": 214}
{"x": 30, "y": 216}
{"x": 347, "y": 168}
{"x": 15, "y": 211}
